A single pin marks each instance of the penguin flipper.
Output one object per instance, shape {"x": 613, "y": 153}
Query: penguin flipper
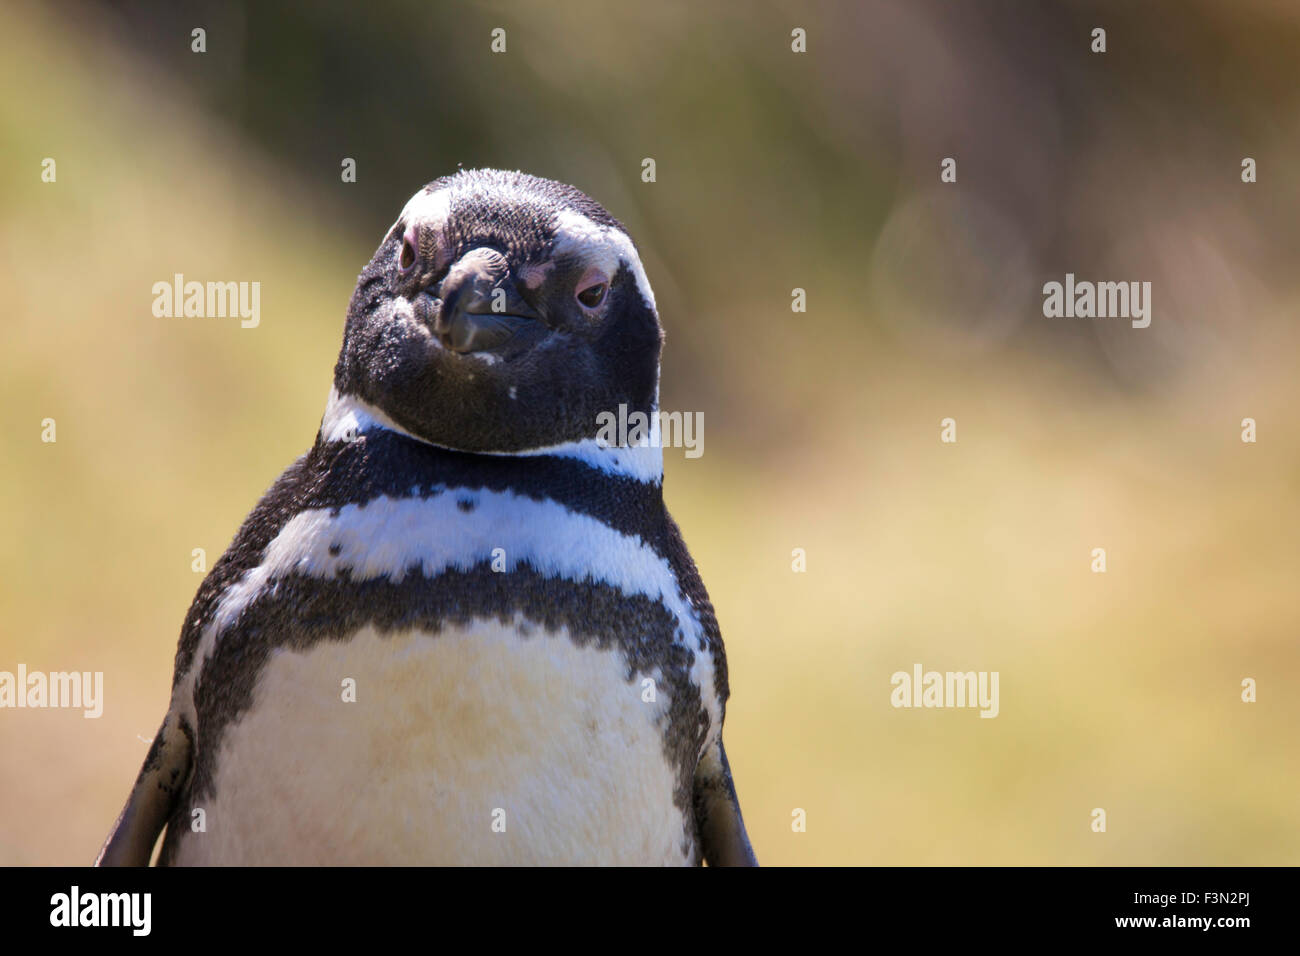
{"x": 717, "y": 812}
{"x": 165, "y": 771}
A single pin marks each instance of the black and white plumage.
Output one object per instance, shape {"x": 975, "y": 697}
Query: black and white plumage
{"x": 501, "y": 587}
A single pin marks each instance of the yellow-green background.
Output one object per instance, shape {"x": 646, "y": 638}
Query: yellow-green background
{"x": 775, "y": 171}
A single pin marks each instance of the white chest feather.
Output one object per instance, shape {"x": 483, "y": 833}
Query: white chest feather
{"x": 475, "y": 745}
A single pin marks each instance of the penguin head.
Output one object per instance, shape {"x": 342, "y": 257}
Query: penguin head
{"x": 501, "y": 313}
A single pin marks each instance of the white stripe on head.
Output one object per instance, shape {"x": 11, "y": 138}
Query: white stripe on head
{"x": 385, "y": 537}
{"x": 604, "y": 247}
{"x": 428, "y": 208}
{"x": 575, "y": 234}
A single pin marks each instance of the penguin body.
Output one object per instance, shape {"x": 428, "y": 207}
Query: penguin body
{"x": 459, "y": 630}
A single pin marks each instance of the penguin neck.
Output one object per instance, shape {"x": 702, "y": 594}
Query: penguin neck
{"x": 347, "y": 416}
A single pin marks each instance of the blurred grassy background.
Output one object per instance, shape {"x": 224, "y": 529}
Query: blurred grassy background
{"x": 775, "y": 170}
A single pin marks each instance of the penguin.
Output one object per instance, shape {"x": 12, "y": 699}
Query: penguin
{"x": 462, "y": 629}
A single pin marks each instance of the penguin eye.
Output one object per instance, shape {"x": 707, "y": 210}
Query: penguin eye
{"x": 591, "y": 291}
{"x": 593, "y": 296}
{"x": 407, "y": 259}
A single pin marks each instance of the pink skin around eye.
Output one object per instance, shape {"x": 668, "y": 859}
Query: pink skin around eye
{"x": 590, "y": 278}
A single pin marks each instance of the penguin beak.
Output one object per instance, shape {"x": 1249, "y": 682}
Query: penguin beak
{"x": 480, "y": 307}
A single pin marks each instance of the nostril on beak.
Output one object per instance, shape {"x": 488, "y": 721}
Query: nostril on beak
{"x": 465, "y": 320}
{"x": 461, "y": 291}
